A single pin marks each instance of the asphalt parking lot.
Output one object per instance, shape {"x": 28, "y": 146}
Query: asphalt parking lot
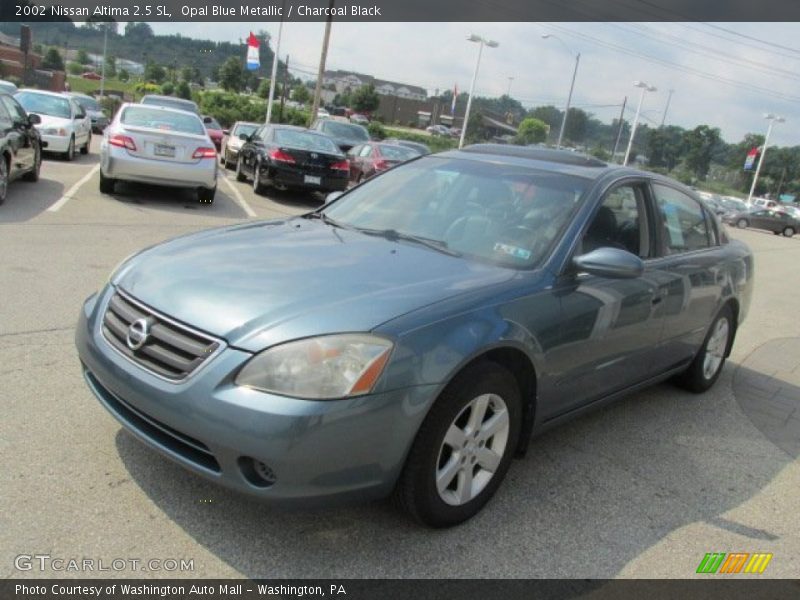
{"x": 643, "y": 488}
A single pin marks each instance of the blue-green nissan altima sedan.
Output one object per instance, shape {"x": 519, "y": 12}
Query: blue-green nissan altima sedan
{"x": 409, "y": 337}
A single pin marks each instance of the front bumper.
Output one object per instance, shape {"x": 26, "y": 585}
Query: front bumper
{"x": 55, "y": 143}
{"x": 117, "y": 163}
{"x": 318, "y": 451}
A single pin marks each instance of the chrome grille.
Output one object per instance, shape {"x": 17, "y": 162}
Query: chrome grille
{"x": 172, "y": 351}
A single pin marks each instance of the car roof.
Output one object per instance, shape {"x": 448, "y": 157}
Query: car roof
{"x": 159, "y": 107}
{"x": 45, "y": 93}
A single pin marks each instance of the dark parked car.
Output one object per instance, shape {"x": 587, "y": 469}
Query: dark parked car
{"x": 420, "y": 148}
{"x": 774, "y": 220}
{"x": 287, "y": 157}
{"x": 20, "y": 144}
{"x": 344, "y": 135}
{"x": 411, "y": 335}
{"x": 371, "y": 158}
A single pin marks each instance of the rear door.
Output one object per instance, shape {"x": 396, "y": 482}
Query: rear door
{"x": 690, "y": 268}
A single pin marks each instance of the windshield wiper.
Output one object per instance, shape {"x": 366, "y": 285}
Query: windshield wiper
{"x": 393, "y": 235}
{"x": 324, "y": 218}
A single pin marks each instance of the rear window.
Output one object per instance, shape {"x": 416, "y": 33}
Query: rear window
{"x": 213, "y": 123}
{"x": 304, "y": 140}
{"x": 153, "y": 118}
{"x": 345, "y": 130}
{"x": 170, "y": 103}
{"x": 397, "y": 152}
{"x": 87, "y": 103}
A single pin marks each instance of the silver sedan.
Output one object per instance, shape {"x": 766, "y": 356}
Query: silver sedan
{"x": 158, "y": 146}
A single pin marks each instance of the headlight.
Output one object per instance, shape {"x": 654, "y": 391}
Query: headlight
{"x": 333, "y": 366}
{"x": 60, "y": 131}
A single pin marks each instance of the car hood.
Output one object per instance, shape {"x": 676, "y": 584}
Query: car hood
{"x": 51, "y": 121}
{"x": 256, "y": 285}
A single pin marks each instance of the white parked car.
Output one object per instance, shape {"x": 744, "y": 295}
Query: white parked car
{"x": 64, "y": 126}
{"x": 233, "y": 142}
{"x": 158, "y": 146}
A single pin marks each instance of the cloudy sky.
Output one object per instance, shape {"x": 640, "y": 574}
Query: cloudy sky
{"x": 726, "y": 75}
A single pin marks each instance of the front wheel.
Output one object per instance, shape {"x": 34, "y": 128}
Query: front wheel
{"x": 70, "y": 153}
{"x": 85, "y": 148}
{"x": 741, "y": 223}
{"x": 33, "y": 174}
{"x": 258, "y": 187}
{"x": 706, "y": 367}
{"x": 788, "y": 232}
{"x": 464, "y": 447}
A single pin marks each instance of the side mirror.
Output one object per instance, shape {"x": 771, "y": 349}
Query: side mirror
{"x": 34, "y": 119}
{"x": 206, "y": 120}
{"x": 610, "y": 262}
{"x": 332, "y": 196}
{"x": 226, "y": 132}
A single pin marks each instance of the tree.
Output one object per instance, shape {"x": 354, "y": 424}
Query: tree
{"x": 182, "y": 90}
{"x": 300, "y": 94}
{"x": 52, "y": 60}
{"x": 187, "y": 73}
{"x": 123, "y": 75}
{"x": 665, "y": 147}
{"x": 111, "y": 66}
{"x": 531, "y": 131}
{"x": 700, "y": 143}
{"x": 263, "y": 89}
{"x": 83, "y": 57}
{"x": 138, "y": 30}
{"x": 366, "y": 99}
{"x": 154, "y": 72}
{"x": 74, "y": 68}
{"x": 230, "y": 75}
{"x": 575, "y": 130}
{"x": 167, "y": 88}
{"x": 550, "y": 115}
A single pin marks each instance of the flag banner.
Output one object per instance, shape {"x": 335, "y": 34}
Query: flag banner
{"x": 253, "y": 61}
{"x": 751, "y": 158}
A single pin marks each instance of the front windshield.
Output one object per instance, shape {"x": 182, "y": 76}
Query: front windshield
{"x": 507, "y": 214}
{"x": 345, "y": 130}
{"x": 244, "y": 128}
{"x": 44, "y": 104}
{"x": 87, "y": 103}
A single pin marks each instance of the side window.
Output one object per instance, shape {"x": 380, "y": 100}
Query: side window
{"x": 620, "y": 222}
{"x": 5, "y": 118}
{"x": 14, "y": 109}
{"x": 353, "y": 152}
{"x": 685, "y": 226}
{"x": 366, "y": 151}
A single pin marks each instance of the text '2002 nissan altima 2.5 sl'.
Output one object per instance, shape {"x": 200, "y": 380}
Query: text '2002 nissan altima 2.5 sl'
{"x": 410, "y": 336}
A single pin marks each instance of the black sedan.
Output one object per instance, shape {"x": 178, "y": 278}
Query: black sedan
{"x": 286, "y": 157}
{"x": 771, "y": 219}
{"x": 20, "y": 144}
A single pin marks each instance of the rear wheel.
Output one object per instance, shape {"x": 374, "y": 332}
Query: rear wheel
{"x": 70, "y": 153}
{"x": 106, "y": 184}
{"x": 206, "y": 195}
{"x": 788, "y": 232}
{"x": 704, "y": 370}
{"x": 85, "y": 148}
{"x": 741, "y": 223}
{"x": 33, "y": 174}
{"x": 464, "y": 447}
{"x": 258, "y": 187}
{"x": 3, "y": 178}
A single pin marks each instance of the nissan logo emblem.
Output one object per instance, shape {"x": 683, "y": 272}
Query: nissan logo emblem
{"x": 138, "y": 332}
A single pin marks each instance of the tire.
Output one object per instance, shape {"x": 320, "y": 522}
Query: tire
{"x": 85, "y": 147}
{"x": 3, "y": 178}
{"x": 706, "y": 367}
{"x": 788, "y": 232}
{"x": 206, "y": 195}
{"x": 239, "y": 174}
{"x": 741, "y": 223}
{"x": 258, "y": 187}
{"x": 229, "y": 164}
{"x": 69, "y": 155}
{"x": 106, "y": 184}
{"x": 467, "y": 481}
{"x": 33, "y": 174}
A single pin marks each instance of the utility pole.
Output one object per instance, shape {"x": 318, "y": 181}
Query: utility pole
{"x": 323, "y": 57}
{"x": 510, "y": 81}
{"x": 619, "y": 129}
{"x": 275, "y": 67}
{"x": 285, "y": 82}
{"x": 103, "y": 66}
{"x": 666, "y": 108}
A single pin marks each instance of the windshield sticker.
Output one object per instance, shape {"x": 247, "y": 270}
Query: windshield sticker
{"x": 514, "y": 251}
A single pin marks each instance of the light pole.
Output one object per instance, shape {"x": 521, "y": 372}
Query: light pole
{"x": 510, "y": 81}
{"x": 274, "y": 75}
{"x": 772, "y": 120}
{"x": 481, "y": 42}
{"x": 645, "y": 88}
{"x": 571, "y": 85}
{"x": 666, "y": 108}
{"x": 103, "y": 66}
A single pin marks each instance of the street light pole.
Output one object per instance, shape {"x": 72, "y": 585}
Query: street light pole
{"x": 481, "y": 41}
{"x": 510, "y": 81}
{"x": 571, "y": 86}
{"x": 274, "y": 75}
{"x": 772, "y": 120}
{"x": 666, "y": 108}
{"x": 103, "y": 66}
{"x": 645, "y": 88}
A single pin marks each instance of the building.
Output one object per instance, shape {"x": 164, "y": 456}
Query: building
{"x": 344, "y": 81}
{"x": 25, "y": 66}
